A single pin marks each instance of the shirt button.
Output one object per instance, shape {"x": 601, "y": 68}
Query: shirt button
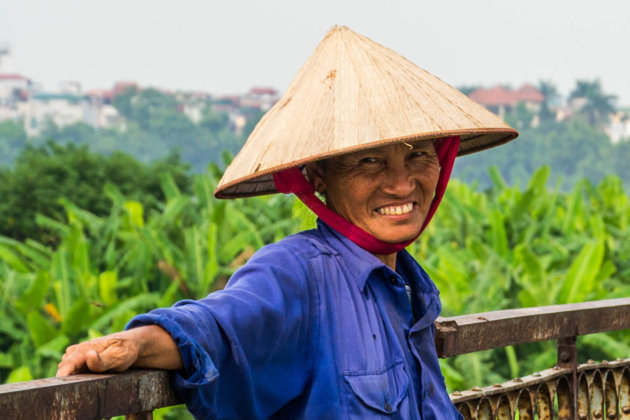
{"x": 388, "y": 407}
{"x": 393, "y": 279}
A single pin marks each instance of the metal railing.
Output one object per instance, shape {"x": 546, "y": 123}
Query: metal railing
{"x": 135, "y": 393}
{"x": 566, "y": 391}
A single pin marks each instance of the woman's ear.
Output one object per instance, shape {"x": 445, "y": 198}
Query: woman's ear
{"x": 316, "y": 177}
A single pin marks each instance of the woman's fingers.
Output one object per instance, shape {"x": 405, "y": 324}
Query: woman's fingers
{"x": 148, "y": 346}
{"x": 94, "y": 362}
{"x": 71, "y": 363}
{"x": 99, "y": 355}
{"x": 116, "y": 357}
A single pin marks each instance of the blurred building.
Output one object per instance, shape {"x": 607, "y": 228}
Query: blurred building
{"x": 501, "y": 100}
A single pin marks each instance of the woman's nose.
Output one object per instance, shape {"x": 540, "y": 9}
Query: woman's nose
{"x": 398, "y": 181}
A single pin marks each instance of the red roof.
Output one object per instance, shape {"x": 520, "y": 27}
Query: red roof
{"x": 120, "y": 87}
{"x": 258, "y": 90}
{"x": 101, "y": 93}
{"x": 12, "y": 76}
{"x": 495, "y": 96}
{"x": 528, "y": 93}
{"x": 498, "y": 95}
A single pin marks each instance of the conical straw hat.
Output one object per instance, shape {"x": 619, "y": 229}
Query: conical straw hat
{"x": 353, "y": 94}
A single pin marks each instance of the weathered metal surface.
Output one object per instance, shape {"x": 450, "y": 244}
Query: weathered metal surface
{"x": 603, "y": 393}
{"x": 489, "y": 330}
{"x": 89, "y": 396}
{"x": 567, "y": 358}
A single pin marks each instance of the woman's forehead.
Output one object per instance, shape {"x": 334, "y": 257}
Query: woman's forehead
{"x": 418, "y": 145}
{"x": 415, "y": 145}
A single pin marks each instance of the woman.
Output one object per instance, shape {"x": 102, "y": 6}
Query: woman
{"x": 336, "y": 322}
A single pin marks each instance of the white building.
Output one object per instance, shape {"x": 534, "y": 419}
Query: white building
{"x": 619, "y": 127}
{"x": 59, "y": 108}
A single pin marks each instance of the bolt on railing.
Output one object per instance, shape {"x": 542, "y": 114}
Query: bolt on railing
{"x": 589, "y": 391}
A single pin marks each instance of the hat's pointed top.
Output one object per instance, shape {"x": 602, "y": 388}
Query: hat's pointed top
{"x": 352, "y": 93}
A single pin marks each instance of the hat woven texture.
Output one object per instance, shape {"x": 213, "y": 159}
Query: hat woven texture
{"x": 354, "y": 94}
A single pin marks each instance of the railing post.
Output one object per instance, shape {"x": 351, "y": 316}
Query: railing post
{"x": 567, "y": 358}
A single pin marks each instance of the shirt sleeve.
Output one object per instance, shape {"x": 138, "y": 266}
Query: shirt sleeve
{"x": 247, "y": 350}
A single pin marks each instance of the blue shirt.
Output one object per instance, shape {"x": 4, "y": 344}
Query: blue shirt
{"x": 312, "y": 327}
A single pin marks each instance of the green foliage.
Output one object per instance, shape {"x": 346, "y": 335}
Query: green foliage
{"x": 12, "y": 139}
{"x": 597, "y": 105}
{"x": 43, "y": 174}
{"x": 572, "y": 149}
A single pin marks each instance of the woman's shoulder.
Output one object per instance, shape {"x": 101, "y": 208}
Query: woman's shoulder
{"x": 287, "y": 262}
{"x": 306, "y": 244}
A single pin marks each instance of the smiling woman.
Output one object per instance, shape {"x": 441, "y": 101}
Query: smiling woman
{"x": 386, "y": 191}
{"x": 336, "y": 322}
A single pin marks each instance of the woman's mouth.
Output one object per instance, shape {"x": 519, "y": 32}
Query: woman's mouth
{"x": 395, "y": 210}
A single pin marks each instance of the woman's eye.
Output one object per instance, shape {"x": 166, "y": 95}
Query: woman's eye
{"x": 368, "y": 161}
{"x": 418, "y": 154}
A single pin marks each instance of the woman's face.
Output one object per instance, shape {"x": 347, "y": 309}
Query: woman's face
{"x": 386, "y": 191}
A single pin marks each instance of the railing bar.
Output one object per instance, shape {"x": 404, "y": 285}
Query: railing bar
{"x": 471, "y": 333}
{"x": 513, "y": 385}
{"x": 598, "y": 305}
{"x": 88, "y": 396}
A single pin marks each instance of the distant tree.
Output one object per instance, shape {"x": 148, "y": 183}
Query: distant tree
{"x": 149, "y": 106}
{"x": 42, "y": 175}
{"x": 620, "y": 153}
{"x": 252, "y": 119}
{"x": 12, "y": 139}
{"x": 520, "y": 117}
{"x": 573, "y": 149}
{"x": 467, "y": 89}
{"x": 123, "y": 101}
{"x": 598, "y": 105}
{"x": 78, "y": 133}
{"x": 550, "y": 92}
{"x": 214, "y": 121}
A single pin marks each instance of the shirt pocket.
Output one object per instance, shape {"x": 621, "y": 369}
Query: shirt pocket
{"x": 376, "y": 393}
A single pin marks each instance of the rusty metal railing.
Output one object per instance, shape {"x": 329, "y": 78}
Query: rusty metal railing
{"x": 135, "y": 393}
{"x": 567, "y": 391}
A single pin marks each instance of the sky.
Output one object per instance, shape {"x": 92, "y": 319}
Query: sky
{"x": 228, "y": 46}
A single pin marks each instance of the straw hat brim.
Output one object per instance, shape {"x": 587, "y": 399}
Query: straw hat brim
{"x": 262, "y": 183}
{"x": 353, "y": 94}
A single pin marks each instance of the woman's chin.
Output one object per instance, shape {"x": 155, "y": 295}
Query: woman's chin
{"x": 397, "y": 230}
{"x": 394, "y": 236}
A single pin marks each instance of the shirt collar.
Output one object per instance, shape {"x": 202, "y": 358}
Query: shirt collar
{"x": 357, "y": 260}
{"x": 354, "y": 258}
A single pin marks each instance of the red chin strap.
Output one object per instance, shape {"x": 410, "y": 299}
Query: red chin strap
{"x": 293, "y": 181}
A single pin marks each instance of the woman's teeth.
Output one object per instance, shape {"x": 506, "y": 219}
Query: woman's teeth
{"x": 395, "y": 210}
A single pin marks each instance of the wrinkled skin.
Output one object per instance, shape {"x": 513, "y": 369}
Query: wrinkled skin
{"x": 148, "y": 347}
{"x": 367, "y": 187}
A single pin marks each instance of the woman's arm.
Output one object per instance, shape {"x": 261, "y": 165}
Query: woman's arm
{"x": 148, "y": 346}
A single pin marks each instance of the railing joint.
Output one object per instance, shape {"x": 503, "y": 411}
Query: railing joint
{"x": 567, "y": 358}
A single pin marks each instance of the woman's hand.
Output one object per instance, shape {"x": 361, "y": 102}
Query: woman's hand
{"x": 148, "y": 346}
